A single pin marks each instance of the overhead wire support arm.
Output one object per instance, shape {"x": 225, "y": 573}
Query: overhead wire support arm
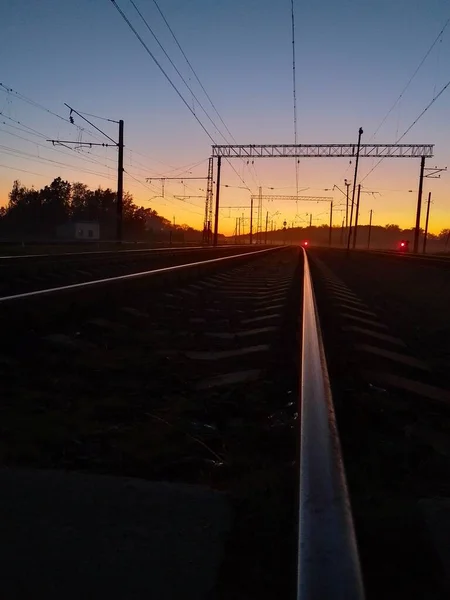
{"x": 88, "y": 144}
{"x": 72, "y": 110}
{"x": 295, "y": 198}
{"x": 120, "y": 170}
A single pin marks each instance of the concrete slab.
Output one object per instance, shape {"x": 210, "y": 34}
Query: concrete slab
{"x": 70, "y": 535}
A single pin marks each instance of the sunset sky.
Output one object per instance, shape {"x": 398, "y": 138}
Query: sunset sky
{"x": 353, "y": 59}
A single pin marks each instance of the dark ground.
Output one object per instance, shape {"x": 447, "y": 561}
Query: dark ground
{"x": 396, "y": 443}
{"x": 101, "y": 381}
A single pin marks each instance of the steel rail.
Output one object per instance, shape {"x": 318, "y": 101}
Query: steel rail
{"x": 140, "y": 274}
{"x": 118, "y": 252}
{"x": 328, "y": 561}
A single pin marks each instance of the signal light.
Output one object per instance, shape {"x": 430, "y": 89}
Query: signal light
{"x": 305, "y": 243}
{"x": 402, "y": 244}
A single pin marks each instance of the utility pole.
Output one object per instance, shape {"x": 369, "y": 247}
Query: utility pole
{"x": 426, "y": 224}
{"x": 235, "y": 231}
{"x": 310, "y": 222}
{"x": 331, "y": 223}
{"x": 370, "y": 229}
{"x": 259, "y": 216}
{"x": 120, "y": 184}
{"x": 119, "y": 145}
{"x": 251, "y": 220}
{"x": 347, "y": 185}
{"x": 419, "y": 206}
{"x": 430, "y": 173}
{"x": 356, "y": 217}
{"x": 216, "y": 216}
{"x": 267, "y": 222}
{"x": 360, "y": 132}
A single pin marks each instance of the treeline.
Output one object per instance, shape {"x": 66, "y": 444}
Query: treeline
{"x": 33, "y": 214}
{"x": 381, "y": 237}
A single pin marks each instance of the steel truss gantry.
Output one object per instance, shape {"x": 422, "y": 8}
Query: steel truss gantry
{"x": 294, "y": 198}
{"x": 322, "y": 150}
{"x": 380, "y": 151}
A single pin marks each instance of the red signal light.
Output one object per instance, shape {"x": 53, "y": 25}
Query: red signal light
{"x": 305, "y": 243}
{"x": 402, "y": 244}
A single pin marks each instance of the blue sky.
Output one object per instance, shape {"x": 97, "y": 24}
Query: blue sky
{"x": 353, "y": 58}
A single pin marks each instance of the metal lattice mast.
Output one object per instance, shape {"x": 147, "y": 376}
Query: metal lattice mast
{"x": 207, "y": 225}
{"x": 259, "y": 224}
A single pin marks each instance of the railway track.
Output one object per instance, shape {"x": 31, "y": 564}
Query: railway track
{"x": 21, "y": 274}
{"x": 386, "y": 332}
{"x": 189, "y": 374}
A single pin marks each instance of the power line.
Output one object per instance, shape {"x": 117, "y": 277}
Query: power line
{"x": 179, "y": 94}
{"x": 192, "y": 69}
{"x": 32, "y": 102}
{"x": 27, "y": 156}
{"x": 410, "y": 127}
{"x": 424, "y": 111}
{"x": 149, "y": 52}
{"x": 22, "y": 170}
{"x": 411, "y": 78}
{"x": 79, "y": 157}
{"x": 40, "y": 106}
{"x": 177, "y": 70}
{"x": 97, "y": 117}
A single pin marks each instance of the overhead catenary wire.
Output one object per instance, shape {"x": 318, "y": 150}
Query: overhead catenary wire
{"x": 429, "y": 105}
{"x": 21, "y": 170}
{"x": 179, "y": 94}
{"x": 153, "y": 57}
{"x": 192, "y": 69}
{"x": 79, "y": 156}
{"x": 35, "y": 104}
{"x": 31, "y": 157}
{"x": 412, "y": 77}
{"x": 177, "y": 70}
{"x": 23, "y": 128}
{"x": 185, "y": 82}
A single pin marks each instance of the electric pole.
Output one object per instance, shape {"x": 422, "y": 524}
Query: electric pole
{"x": 216, "y": 216}
{"x": 331, "y": 223}
{"x": 120, "y": 185}
{"x": 267, "y": 223}
{"x": 430, "y": 173}
{"x": 360, "y": 132}
{"x": 419, "y": 206}
{"x": 356, "y": 216}
{"x": 347, "y": 185}
{"x": 251, "y": 221}
{"x": 426, "y": 224}
{"x": 119, "y": 145}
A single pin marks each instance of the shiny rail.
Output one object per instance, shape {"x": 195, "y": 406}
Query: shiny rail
{"x": 328, "y": 561}
{"x": 120, "y": 252}
{"x": 138, "y": 275}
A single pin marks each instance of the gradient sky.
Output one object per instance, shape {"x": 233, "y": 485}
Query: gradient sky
{"x": 353, "y": 58}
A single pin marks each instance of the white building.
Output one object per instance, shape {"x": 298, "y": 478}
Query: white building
{"x": 79, "y": 230}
